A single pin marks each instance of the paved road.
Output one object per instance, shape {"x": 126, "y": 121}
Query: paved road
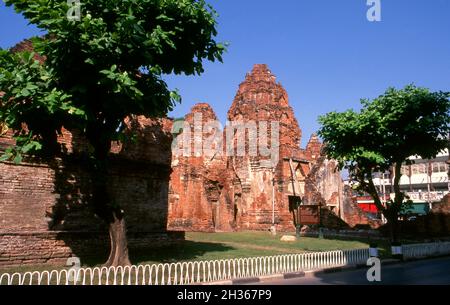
{"x": 423, "y": 272}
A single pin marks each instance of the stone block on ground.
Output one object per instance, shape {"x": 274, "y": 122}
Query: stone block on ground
{"x": 288, "y": 238}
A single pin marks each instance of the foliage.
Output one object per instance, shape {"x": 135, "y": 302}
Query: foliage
{"x": 105, "y": 67}
{"x": 25, "y": 144}
{"x": 391, "y": 128}
{"x": 385, "y": 133}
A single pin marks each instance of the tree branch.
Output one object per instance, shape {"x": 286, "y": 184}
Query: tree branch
{"x": 398, "y": 194}
{"x": 372, "y": 190}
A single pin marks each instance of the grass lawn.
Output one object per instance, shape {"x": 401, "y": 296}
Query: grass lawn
{"x": 265, "y": 241}
{"x": 210, "y": 246}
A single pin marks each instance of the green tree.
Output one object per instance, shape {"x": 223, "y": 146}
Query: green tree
{"x": 98, "y": 70}
{"x": 383, "y": 135}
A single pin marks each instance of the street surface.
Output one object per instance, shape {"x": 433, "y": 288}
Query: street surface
{"x": 422, "y": 272}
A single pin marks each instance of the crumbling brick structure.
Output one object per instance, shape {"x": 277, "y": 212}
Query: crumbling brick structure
{"x": 227, "y": 192}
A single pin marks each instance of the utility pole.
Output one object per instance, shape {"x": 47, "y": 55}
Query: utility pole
{"x": 429, "y": 173}
{"x": 274, "y": 229}
{"x": 294, "y": 183}
{"x": 339, "y": 198}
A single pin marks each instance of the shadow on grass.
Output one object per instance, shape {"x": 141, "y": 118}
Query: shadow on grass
{"x": 183, "y": 250}
{"x": 382, "y": 243}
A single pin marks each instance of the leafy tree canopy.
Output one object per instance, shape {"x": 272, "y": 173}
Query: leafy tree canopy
{"x": 383, "y": 135}
{"x": 104, "y": 67}
{"x": 389, "y": 129}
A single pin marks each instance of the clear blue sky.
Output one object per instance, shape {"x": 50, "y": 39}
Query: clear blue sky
{"x": 324, "y": 52}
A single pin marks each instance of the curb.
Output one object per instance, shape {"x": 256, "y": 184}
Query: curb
{"x": 392, "y": 261}
{"x": 261, "y": 279}
{"x": 292, "y": 275}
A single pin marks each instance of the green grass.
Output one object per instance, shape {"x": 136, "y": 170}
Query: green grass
{"x": 213, "y": 246}
{"x": 264, "y": 240}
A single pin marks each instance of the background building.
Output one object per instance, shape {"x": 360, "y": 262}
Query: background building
{"x": 425, "y": 182}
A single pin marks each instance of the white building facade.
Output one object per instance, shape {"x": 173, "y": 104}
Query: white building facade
{"x": 423, "y": 180}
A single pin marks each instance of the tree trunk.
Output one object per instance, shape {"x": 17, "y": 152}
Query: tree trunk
{"x": 119, "y": 246}
{"x": 103, "y": 203}
{"x": 390, "y": 212}
{"x": 114, "y": 217}
{"x": 393, "y": 225}
{"x": 398, "y": 202}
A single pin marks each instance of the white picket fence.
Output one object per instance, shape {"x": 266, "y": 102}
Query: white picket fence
{"x": 187, "y": 273}
{"x": 425, "y": 250}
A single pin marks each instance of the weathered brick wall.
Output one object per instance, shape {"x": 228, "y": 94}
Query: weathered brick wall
{"x": 434, "y": 224}
{"x": 44, "y": 210}
{"x": 54, "y": 247}
{"x": 25, "y": 192}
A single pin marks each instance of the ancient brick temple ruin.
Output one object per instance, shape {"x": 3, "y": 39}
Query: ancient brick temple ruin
{"x": 44, "y": 216}
{"x": 226, "y": 193}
